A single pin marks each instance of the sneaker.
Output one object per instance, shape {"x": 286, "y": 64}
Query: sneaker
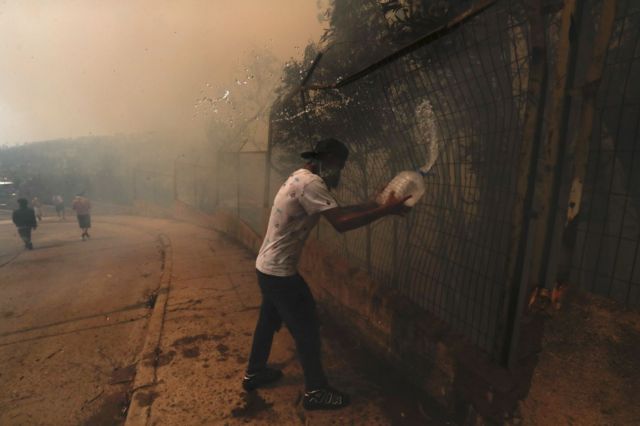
{"x": 30, "y": 246}
{"x": 261, "y": 378}
{"x": 325, "y": 399}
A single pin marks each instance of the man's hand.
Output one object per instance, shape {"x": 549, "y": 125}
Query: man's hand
{"x": 395, "y": 205}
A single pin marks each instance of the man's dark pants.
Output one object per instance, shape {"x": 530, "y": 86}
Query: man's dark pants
{"x": 288, "y": 300}
{"x": 25, "y": 234}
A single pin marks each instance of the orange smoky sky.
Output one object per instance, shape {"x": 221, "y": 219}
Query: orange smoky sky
{"x": 71, "y": 68}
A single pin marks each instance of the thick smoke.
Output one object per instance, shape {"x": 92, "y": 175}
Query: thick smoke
{"x": 72, "y": 68}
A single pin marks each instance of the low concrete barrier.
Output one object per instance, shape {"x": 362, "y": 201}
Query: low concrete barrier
{"x": 221, "y": 221}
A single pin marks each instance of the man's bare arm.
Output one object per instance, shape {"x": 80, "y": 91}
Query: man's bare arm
{"x": 369, "y": 205}
{"x": 345, "y": 219}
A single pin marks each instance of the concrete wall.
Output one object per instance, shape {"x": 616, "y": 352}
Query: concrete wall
{"x": 418, "y": 345}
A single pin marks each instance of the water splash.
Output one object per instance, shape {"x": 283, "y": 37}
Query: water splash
{"x": 317, "y": 109}
{"x": 426, "y": 133}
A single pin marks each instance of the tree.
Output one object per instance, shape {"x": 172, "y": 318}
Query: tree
{"x": 241, "y": 106}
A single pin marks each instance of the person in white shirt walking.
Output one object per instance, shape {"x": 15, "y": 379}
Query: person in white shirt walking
{"x": 82, "y": 206}
{"x": 285, "y": 295}
{"x": 37, "y": 208}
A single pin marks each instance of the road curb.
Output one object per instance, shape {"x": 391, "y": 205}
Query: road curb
{"x": 139, "y": 408}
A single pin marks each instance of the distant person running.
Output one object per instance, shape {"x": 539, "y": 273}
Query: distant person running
{"x": 82, "y": 206}
{"x": 285, "y": 295}
{"x": 25, "y": 220}
{"x": 58, "y": 202}
{"x": 37, "y": 207}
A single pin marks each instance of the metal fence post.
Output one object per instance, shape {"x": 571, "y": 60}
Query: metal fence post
{"x": 584, "y": 133}
{"x": 267, "y": 170}
{"x": 523, "y": 221}
{"x": 548, "y": 186}
{"x": 237, "y": 180}
{"x": 217, "y": 179}
{"x": 195, "y": 184}
{"x": 135, "y": 183}
{"x": 175, "y": 179}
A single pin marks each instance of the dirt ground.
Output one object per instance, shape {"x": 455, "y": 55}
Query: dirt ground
{"x": 73, "y": 316}
{"x": 588, "y": 371}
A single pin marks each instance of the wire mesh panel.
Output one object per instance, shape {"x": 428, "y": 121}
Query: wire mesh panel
{"x": 154, "y": 187}
{"x": 454, "y": 106}
{"x": 251, "y": 173}
{"x": 196, "y": 185}
{"x": 606, "y": 259}
{"x": 111, "y": 188}
{"x": 227, "y": 195}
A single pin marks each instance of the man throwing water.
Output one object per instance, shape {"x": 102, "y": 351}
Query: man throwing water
{"x": 285, "y": 295}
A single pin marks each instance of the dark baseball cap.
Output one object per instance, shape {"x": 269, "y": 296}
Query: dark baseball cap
{"x": 327, "y": 146}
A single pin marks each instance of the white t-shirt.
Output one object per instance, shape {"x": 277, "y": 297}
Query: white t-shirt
{"x": 296, "y": 209}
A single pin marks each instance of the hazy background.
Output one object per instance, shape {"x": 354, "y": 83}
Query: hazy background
{"x": 71, "y": 68}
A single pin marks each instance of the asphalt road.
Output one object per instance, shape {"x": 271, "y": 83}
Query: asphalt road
{"x": 73, "y": 316}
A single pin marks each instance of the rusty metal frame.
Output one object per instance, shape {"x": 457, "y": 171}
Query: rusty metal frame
{"x": 580, "y": 144}
{"x": 475, "y": 9}
{"x": 521, "y": 243}
{"x": 523, "y": 221}
{"x": 266, "y": 196}
{"x": 548, "y": 186}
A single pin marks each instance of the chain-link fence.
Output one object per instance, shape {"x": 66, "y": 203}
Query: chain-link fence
{"x": 196, "y": 184}
{"x": 241, "y": 189}
{"x": 455, "y": 105}
{"x": 233, "y": 182}
{"x": 153, "y": 186}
